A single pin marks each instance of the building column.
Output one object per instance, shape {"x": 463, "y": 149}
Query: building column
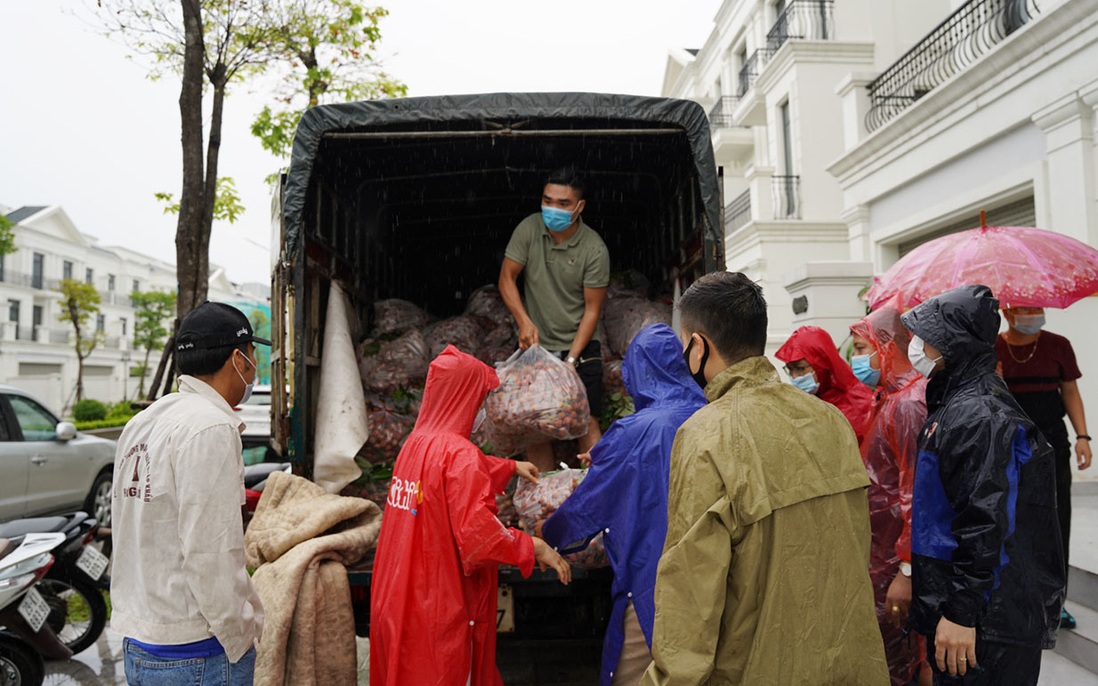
{"x": 856, "y": 219}
{"x": 1068, "y": 125}
{"x": 760, "y": 182}
{"x": 854, "y": 95}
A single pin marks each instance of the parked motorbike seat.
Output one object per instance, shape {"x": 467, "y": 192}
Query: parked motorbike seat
{"x": 35, "y": 525}
{"x": 255, "y": 473}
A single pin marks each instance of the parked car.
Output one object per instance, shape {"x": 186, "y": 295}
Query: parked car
{"x": 47, "y": 466}
{"x": 256, "y": 414}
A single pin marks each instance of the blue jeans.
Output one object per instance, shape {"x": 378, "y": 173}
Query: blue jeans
{"x": 143, "y": 669}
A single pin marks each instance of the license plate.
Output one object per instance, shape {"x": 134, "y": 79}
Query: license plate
{"x": 92, "y": 562}
{"x": 505, "y": 610}
{"x": 34, "y": 609}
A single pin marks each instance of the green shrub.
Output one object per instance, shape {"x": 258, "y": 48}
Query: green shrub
{"x": 122, "y": 409}
{"x": 88, "y": 410}
{"x": 107, "y": 423}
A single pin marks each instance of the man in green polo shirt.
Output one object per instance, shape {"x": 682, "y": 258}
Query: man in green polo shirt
{"x": 567, "y": 269}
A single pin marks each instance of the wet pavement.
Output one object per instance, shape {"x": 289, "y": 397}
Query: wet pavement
{"x": 99, "y": 665}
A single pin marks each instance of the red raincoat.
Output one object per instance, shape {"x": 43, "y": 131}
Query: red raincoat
{"x": 889, "y": 451}
{"x": 433, "y": 594}
{"x": 838, "y": 385}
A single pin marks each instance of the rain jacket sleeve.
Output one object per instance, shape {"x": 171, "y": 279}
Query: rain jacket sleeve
{"x": 480, "y": 537}
{"x": 909, "y": 420}
{"x": 500, "y": 471}
{"x": 984, "y": 500}
{"x": 693, "y": 572}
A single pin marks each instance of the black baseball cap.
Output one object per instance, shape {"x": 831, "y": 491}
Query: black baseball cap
{"x": 215, "y": 325}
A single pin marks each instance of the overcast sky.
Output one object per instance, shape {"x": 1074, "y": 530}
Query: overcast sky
{"x": 82, "y": 127}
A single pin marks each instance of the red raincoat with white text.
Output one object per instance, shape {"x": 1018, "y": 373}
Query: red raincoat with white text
{"x": 889, "y": 451}
{"x": 838, "y": 385}
{"x": 433, "y": 594}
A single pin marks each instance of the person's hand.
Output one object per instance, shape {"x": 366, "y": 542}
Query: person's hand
{"x": 528, "y": 334}
{"x": 549, "y": 558}
{"x": 954, "y": 647}
{"x": 898, "y": 600}
{"x": 585, "y": 459}
{"x": 527, "y": 471}
{"x": 537, "y": 528}
{"x": 1082, "y": 453}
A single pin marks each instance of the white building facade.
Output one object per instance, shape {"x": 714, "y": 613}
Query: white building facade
{"x": 849, "y": 132}
{"x": 36, "y": 348}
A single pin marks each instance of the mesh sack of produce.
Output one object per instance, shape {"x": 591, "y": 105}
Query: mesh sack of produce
{"x": 628, "y": 283}
{"x": 376, "y": 491}
{"x": 540, "y": 397}
{"x": 463, "y": 332}
{"x": 487, "y": 304}
{"x": 497, "y": 344}
{"x": 388, "y": 430}
{"x": 386, "y": 365}
{"x": 505, "y": 505}
{"x": 623, "y": 317}
{"x": 397, "y": 316}
{"x": 612, "y": 381}
{"x": 535, "y": 502}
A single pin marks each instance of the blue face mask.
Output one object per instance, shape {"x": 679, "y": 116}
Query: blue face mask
{"x": 859, "y": 364}
{"x": 807, "y": 383}
{"x": 555, "y": 218}
{"x": 1028, "y": 324}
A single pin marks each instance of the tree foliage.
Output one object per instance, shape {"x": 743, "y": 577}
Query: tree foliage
{"x": 79, "y": 302}
{"x": 153, "y": 311}
{"x": 227, "y": 205}
{"x": 7, "y": 236}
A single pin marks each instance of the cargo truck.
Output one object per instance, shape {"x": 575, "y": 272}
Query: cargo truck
{"x": 416, "y": 199}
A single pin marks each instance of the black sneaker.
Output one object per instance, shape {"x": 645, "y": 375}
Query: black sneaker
{"x": 1066, "y": 620}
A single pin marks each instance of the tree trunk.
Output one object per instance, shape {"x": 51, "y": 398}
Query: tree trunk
{"x": 79, "y": 374}
{"x": 144, "y": 373}
{"x": 192, "y": 232}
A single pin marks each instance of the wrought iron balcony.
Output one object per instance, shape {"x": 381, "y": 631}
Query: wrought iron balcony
{"x": 738, "y": 212}
{"x": 752, "y": 68}
{"x": 787, "y": 197}
{"x": 959, "y": 41}
{"x": 720, "y": 114}
{"x": 805, "y": 20}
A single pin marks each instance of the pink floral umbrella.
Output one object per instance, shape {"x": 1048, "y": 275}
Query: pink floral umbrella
{"x": 1023, "y": 266}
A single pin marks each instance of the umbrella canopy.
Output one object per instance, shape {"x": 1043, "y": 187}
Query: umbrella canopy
{"x": 1023, "y": 266}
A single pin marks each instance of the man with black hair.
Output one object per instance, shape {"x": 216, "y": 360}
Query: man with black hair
{"x": 764, "y": 575}
{"x": 181, "y": 594}
{"x": 567, "y": 269}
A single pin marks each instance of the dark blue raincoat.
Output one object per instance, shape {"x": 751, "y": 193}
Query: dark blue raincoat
{"x": 984, "y": 537}
{"x": 625, "y": 492}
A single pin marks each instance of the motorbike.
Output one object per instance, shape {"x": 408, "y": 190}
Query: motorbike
{"x": 26, "y": 636}
{"x": 73, "y": 587}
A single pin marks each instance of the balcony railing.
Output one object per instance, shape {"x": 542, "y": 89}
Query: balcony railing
{"x": 720, "y": 114}
{"x": 787, "y": 197}
{"x": 805, "y": 20}
{"x": 738, "y": 212}
{"x": 962, "y": 39}
{"x": 752, "y": 68}
{"x": 59, "y": 335}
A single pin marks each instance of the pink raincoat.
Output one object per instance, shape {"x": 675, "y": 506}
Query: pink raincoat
{"x": 889, "y": 451}
{"x": 433, "y": 594}
{"x": 838, "y": 385}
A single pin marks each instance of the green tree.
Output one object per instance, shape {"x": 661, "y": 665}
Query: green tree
{"x": 152, "y": 315}
{"x": 7, "y": 236}
{"x": 79, "y": 302}
{"x": 261, "y": 326}
{"x": 211, "y": 44}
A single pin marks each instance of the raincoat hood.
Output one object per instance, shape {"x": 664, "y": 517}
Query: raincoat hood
{"x": 457, "y": 385}
{"x": 881, "y": 328}
{"x": 654, "y": 371}
{"x": 838, "y": 385}
{"x": 962, "y": 324}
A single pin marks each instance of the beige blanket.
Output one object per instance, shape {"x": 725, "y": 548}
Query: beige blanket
{"x": 298, "y": 543}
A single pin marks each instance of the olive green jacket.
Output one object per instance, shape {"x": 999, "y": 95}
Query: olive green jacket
{"x": 764, "y": 576}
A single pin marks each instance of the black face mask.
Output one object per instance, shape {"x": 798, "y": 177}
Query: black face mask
{"x": 699, "y": 376}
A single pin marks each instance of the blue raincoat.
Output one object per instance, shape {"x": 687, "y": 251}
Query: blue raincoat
{"x": 625, "y": 492}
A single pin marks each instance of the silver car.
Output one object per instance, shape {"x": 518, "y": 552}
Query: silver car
{"x": 256, "y": 414}
{"x": 47, "y": 466}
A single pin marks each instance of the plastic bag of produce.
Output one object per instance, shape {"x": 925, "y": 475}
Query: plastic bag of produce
{"x": 397, "y": 316}
{"x": 463, "y": 332}
{"x": 535, "y": 503}
{"x": 540, "y": 397}
{"x": 386, "y": 365}
{"x": 487, "y": 304}
{"x": 623, "y": 317}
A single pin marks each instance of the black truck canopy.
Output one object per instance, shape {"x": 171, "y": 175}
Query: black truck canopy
{"x": 418, "y": 196}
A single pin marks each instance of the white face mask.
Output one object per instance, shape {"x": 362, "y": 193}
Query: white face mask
{"x": 922, "y": 364}
{"x": 247, "y": 386}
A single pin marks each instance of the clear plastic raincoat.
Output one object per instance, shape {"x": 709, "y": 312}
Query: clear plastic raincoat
{"x": 625, "y": 492}
{"x": 433, "y": 595}
{"x": 838, "y": 385}
{"x": 889, "y": 451}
